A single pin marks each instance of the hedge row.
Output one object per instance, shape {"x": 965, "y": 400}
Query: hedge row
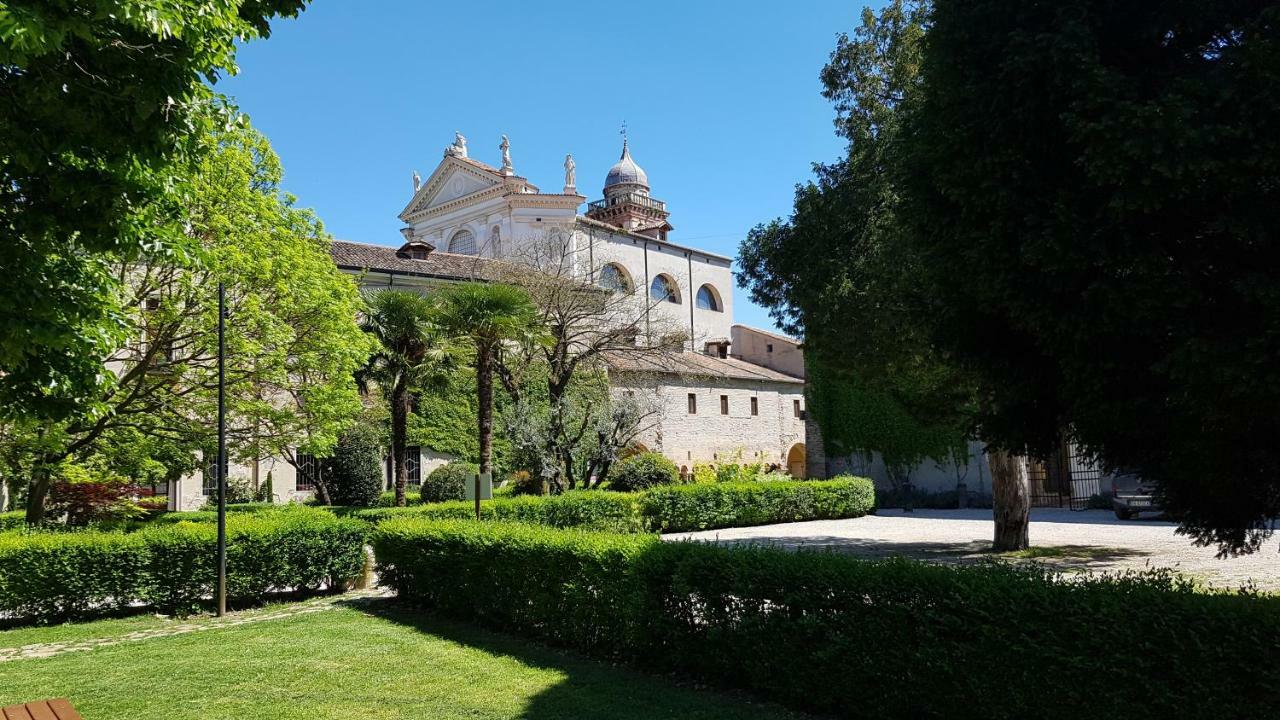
{"x": 54, "y": 575}
{"x": 664, "y": 509}
{"x": 848, "y": 637}
{"x": 13, "y": 520}
{"x": 588, "y": 509}
{"x": 705, "y": 506}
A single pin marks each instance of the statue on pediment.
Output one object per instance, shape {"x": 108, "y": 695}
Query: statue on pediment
{"x": 417, "y": 181}
{"x": 505, "y": 147}
{"x": 459, "y": 146}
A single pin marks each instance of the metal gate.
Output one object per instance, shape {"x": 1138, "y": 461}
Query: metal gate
{"x": 1067, "y": 479}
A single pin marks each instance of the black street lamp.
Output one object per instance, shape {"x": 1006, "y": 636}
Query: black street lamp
{"x": 222, "y": 450}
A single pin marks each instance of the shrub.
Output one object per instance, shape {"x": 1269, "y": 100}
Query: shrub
{"x": 388, "y": 499}
{"x": 13, "y": 520}
{"x": 912, "y": 639}
{"x": 448, "y": 482}
{"x": 587, "y": 509}
{"x": 643, "y": 471}
{"x": 704, "y": 473}
{"x": 354, "y": 472}
{"x": 239, "y": 492}
{"x": 522, "y": 482}
{"x": 171, "y": 566}
{"x": 717, "y": 505}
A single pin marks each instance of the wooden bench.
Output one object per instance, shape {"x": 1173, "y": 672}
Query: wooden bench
{"x": 58, "y": 709}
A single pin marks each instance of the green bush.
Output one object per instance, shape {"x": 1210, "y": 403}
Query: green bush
{"x": 587, "y": 509}
{"x": 848, "y": 637}
{"x": 704, "y": 506}
{"x": 448, "y": 482}
{"x": 354, "y": 471}
{"x": 388, "y": 499}
{"x": 13, "y": 520}
{"x": 47, "y": 576}
{"x": 643, "y": 471}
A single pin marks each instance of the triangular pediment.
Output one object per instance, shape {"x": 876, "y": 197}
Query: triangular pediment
{"x": 452, "y": 179}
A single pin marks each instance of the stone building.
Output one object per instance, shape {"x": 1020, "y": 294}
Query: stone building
{"x": 468, "y": 220}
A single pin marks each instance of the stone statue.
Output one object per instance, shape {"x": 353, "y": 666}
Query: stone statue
{"x": 417, "y": 181}
{"x": 570, "y": 175}
{"x": 459, "y": 146}
{"x": 505, "y": 147}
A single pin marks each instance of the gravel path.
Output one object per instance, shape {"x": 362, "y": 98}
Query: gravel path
{"x": 1089, "y": 540}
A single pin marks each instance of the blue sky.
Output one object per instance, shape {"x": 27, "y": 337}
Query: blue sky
{"x": 720, "y": 98}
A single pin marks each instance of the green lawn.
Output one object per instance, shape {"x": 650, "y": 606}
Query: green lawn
{"x": 370, "y": 659}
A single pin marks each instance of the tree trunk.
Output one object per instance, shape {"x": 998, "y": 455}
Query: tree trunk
{"x": 41, "y": 481}
{"x": 1011, "y": 496}
{"x": 399, "y": 421}
{"x": 484, "y": 392}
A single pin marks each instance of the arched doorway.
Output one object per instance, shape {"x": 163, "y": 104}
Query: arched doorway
{"x": 796, "y": 461}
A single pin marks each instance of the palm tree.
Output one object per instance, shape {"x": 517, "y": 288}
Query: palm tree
{"x": 409, "y": 352}
{"x": 487, "y": 315}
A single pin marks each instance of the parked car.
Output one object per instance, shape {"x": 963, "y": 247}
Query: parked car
{"x": 1131, "y": 495}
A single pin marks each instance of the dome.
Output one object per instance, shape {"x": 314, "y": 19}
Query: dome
{"x": 626, "y": 171}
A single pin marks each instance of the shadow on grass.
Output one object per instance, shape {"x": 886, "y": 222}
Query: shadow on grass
{"x": 591, "y": 688}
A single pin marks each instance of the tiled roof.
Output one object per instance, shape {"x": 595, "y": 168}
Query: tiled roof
{"x": 769, "y": 333}
{"x": 447, "y": 266}
{"x": 696, "y": 364}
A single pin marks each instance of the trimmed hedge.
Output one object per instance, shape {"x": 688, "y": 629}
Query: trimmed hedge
{"x": 47, "y": 576}
{"x": 588, "y": 509}
{"x": 447, "y": 482}
{"x": 663, "y": 509}
{"x": 848, "y": 637}
{"x": 718, "y": 505}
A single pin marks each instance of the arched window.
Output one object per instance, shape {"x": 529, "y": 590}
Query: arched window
{"x": 614, "y": 278}
{"x": 664, "y": 289}
{"x": 709, "y": 299}
{"x": 463, "y": 242}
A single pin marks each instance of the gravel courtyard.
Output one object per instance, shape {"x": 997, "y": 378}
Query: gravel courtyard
{"x": 1090, "y": 539}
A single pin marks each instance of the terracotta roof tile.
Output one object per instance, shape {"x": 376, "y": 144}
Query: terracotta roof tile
{"x": 698, "y": 365}
{"x": 448, "y": 266}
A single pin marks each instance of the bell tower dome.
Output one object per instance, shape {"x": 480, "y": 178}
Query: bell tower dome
{"x": 626, "y": 202}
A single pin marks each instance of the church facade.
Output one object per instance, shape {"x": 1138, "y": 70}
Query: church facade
{"x": 468, "y": 219}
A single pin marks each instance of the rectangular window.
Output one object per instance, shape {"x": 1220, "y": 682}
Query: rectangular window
{"x": 693, "y": 404}
{"x": 724, "y": 404}
{"x": 308, "y": 473}
{"x": 768, "y": 348}
{"x": 755, "y": 406}
{"x": 209, "y": 484}
{"x": 413, "y": 465}
{"x": 795, "y": 407}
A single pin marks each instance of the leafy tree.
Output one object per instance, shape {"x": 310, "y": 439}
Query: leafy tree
{"x": 292, "y": 339}
{"x": 1090, "y": 191}
{"x": 877, "y": 383}
{"x": 410, "y": 354}
{"x": 488, "y": 316}
{"x": 107, "y": 105}
{"x": 564, "y": 422}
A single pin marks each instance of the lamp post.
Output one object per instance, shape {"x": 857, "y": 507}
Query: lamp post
{"x": 222, "y": 450}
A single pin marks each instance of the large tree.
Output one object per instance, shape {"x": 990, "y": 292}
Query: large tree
{"x": 292, "y": 339}
{"x": 410, "y": 355}
{"x": 877, "y": 383}
{"x": 488, "y": 316}
{"x": 1091, "y": 191}
{"x": 106, "y": 104}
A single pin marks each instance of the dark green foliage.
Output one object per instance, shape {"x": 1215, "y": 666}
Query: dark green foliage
{"x": 448, "y": 482}
{"x": 354, "y": 471}
{"x": 643, "y": 471}
{"x": 586, "y": 509}
{"x": 717, "y": 505}
{"x": 1091, "y": 189}
{"x": 848, "y": 637}
{"x": 47, "y": 576}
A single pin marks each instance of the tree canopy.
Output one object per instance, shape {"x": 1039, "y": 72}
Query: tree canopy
{"x": 108, "y": 103}
{"x": 1091, "y": 190}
